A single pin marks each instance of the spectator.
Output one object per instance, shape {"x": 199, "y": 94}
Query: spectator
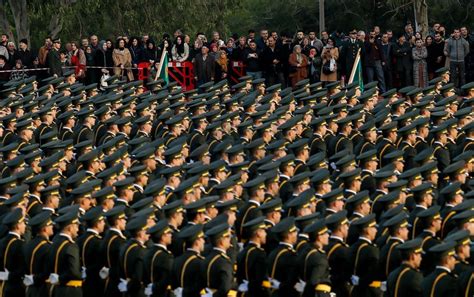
{"x": 78, "y": 59}
{"x": 230, "y": 45}
{"x": 409, "y": 34}
{"x": 469, "y": 37}
{"x": 298, "y": 63}
{"x": 420, "y": 69}
{"x": 196, "y": 49}
{"x": 221, "y": 66}
{"x": 433, "y": 30}
{"x": 214, "y": 50}
{"x": 19, "y": 71}
{"x": 109, "y": 53}
{"x": 150, "y": 54}
{"x": 54, "y": 59}
{"x": 314, "y": 63}
{"x": 262, "y": 41}
{"x": 252, "y": 60}
{"x": 203, "y": 66}
{"x": 456, "y": 49}
{"x": 180, "y": 50}
{"x": 122, "y": 60}
{"x": 325, "y": 37}
{"x": 404, "y": 67}
{"x": 84, "y": 43}
{"x": 374, "y": 61}
{"x": 4, "y": 40}
{"x": 4, "y": 52}
{"x": 94, "y": 43}
{"x": 436, "y": 51}
{"x": 43, "y": 51}
{"x": 91, "y": 73}
{"x": 305, "y": 46}
{"x": 271, "y": 60}
{"x": 315, "y": 42}
{"x": 387, "y": 48}
{"x": 349, "y": 53}
{"x": 136, "y": 50}
{"x": 12, "y": 53}
{"x": 241, "y": 49}
{"x": 4, "y": 76}
{"x": 330, "y": 52}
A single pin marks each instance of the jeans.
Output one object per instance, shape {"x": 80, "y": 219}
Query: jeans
{"x": 255, "y": 75}
{"x": 377, "y": 70}
{"x": 457, "y": 73}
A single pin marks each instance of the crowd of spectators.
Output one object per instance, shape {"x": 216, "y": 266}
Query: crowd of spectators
{"x": 394, "y": 60}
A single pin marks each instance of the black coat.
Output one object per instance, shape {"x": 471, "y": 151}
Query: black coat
{"x": 404, "y": 281}
{"x": 402, "y": 52}
{"x": 158, "y": 264}
{"x": 36, "y": 257}
{"x": 282, "y": 267}
{"x": 13, "y": 260}
{"x": 218, "y": 273}
{"x": 251, "y": 267}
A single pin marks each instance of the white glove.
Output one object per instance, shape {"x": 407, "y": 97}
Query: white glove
{"x": 83, "y": 272}
{"x": 104, "y": 273}
{"x": 4, "y": 275}
{"x": 241, "y": 246}
{"x": 178, "y": 292}
{"x": 28, "y": 280}
{"x": 208, "y": 293}
{"x": 243, "y": 287}
{"x": 275, "y": 284}
{"x": 299, "y": 286}
{"x": 149, "y": 290}
{"x": 355, "y": 280}
{"x": 54, "y": 278}
{"x": 383, "y": 286}
{"x": 122, "y": 286}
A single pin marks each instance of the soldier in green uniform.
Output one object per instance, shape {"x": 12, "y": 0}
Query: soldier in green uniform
{"x": 217, "y": 267}
{"x": 365, "y": 259}
{"x": 158, "y": 261}
{"x": 442, "y": 281}
{"x": 406, "y": 279}
{"x": 252, "y": 275}
{"x": 36, "y": 255}
{"x": 187, "y": 278}
{"x": 113, "y": 241}
{"x": 313, "y": 265}
{"x": 131, "y": 258}
{"x": 12, "y": 258}
{"x": 92, "y": 260}
{"x": 65, "y": 262}
{"x": 389, "y": 256}
{"x": 282, "y": 268}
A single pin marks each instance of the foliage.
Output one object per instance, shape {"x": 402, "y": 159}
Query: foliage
{"x": 74, "y": 19}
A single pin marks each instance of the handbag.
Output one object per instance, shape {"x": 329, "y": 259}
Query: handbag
{"x": 327, "y": 68}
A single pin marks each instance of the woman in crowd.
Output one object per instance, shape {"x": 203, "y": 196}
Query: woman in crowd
{"x": 329, "y": 56}
{"x": 150, "y": 54}
{"x": 298, "y": 65}
{"x": 221, "y": 66}
{"x": 196, "y": 49}
{"x": 314, "y": 65}
{"x": 122, "y": 60}
{"x": 135, "y": 49}
{"x": 180, "y": 50}
{"x": 420, "y": 69}
{"x": 91, "y": 76}
{"x": 78, "y": 59}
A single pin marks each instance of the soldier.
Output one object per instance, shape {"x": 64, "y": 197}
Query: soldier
{"x": 251, "y": 261}
{"x": 313, "y": 265}
{"x": 364, "y": 257}
{"x": 406, "y": 279}
{"x": 37, "y": 255}
{"x": 89, "y": 244}
{"x": 65, "y": 264}
{"x": 158, "y": 261}
{"x": 187, "y": 278}
{"x": 282, "y": 267}
{"x": 430, "y": 223}
{"x": 111, "y": 245}
{"x": 442, "y": 281}
{"x": 390, "y": 257}
{"x": 218, "y": 267}
{"x": 131, "y": 258}
{"x": 12, "y": 254}
{"x": 250, "y": 210}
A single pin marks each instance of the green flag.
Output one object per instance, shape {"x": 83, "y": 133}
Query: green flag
{"x": 358, "y": 77}
{"x": 164, "y": 69}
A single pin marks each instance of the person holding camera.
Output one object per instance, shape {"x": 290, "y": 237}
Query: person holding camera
{"x": 329, "y": 56}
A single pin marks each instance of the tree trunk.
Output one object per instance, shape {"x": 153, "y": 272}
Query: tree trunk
{"x": 421, "y": 13}
{"x": 20, "y": 15}
{"x": 5, "y": 26}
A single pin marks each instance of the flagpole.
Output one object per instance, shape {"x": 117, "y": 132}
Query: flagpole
{"x": 354, "y": 67}
{"x": 162, "y": 59}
